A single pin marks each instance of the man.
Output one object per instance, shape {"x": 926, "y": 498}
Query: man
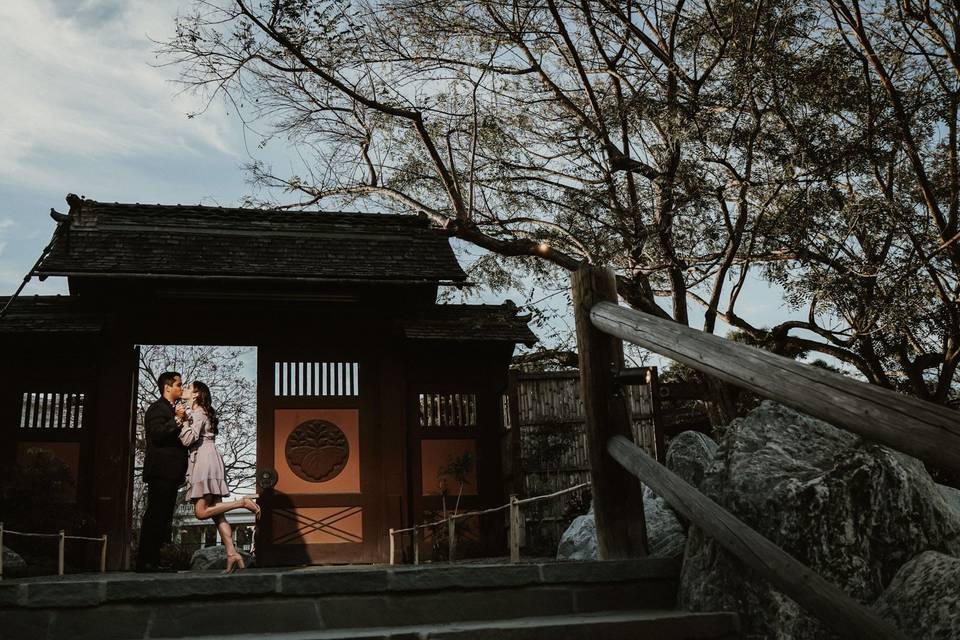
{"x": 164, "y": 469}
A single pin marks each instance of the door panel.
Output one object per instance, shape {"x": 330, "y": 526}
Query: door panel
{"x": 317, "y": 450}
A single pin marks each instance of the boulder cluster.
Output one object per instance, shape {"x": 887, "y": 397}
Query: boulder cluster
{"x": 867, "y": 518}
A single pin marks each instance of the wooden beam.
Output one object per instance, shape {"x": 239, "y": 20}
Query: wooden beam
{"x": 617, "y": 496}
{"x": 829, "y": 604}
{"x": 921, "y": 429}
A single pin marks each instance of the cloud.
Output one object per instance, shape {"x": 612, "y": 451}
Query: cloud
{"x": 79, "y": 88}
{"x": 6, "y": 225}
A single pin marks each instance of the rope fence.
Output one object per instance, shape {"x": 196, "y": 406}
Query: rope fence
{"x": 60, "y": 547}
{"x": 515, "y": 522}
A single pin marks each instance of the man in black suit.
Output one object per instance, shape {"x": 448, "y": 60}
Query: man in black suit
{"x": 164, "y": 469}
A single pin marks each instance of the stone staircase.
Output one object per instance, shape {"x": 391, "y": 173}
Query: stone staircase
{"x": 532, "y": 601}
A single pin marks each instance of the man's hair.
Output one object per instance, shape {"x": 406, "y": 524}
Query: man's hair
{"x": 166, "y": 378}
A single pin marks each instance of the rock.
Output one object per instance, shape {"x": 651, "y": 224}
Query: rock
{"x": 924, "y": 597}
{"x": 689, "y": 455}
{"x": 215, "y": 557}
{"x": 12, "y": 559}
{"x": 579, "y": 541}
{"x": 852, "y": 511}
{"x": 665, "y": 535}
{"x": 951, "y": 495}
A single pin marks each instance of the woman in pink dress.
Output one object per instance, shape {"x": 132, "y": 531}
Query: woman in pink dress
{"x": 206, "y": 474}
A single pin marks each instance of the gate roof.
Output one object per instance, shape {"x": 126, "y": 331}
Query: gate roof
{"x": 176, "y": 241}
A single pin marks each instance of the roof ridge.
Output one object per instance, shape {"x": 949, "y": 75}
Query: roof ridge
{"x": 89, "y": 202}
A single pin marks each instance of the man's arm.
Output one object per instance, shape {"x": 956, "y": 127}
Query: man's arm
{"x": 160, "y": 426}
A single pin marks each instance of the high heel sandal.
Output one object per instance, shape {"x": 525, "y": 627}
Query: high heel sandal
{"x": 234, "y": 562}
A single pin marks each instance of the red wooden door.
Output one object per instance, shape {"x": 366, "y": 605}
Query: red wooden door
{"x": 317, "y": 460}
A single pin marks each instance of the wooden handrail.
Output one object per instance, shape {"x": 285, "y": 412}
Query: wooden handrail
{"x": 921, "y": 429}
{"x": 846, "y": 616}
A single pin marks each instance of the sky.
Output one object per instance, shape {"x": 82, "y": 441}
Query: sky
{"x": 86, "y": 109}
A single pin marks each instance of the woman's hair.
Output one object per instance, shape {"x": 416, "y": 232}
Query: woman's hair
{"x": 201, "y": 396}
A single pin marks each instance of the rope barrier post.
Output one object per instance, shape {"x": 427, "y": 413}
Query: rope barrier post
{"x": 60, "y": 553}
{"x": 514, "y": 528}
{"x": 416, "y": 545}
{"x": 451, "y": 537}
{"x": 103, "y": 555}
{"x": 391, "y": 545}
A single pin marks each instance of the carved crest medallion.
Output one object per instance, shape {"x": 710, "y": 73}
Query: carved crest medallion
{"x": 317, "y": 450}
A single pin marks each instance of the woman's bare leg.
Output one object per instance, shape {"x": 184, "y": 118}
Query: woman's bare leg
{"x": 203, "y": 509}
{"x": 226, "y": 534}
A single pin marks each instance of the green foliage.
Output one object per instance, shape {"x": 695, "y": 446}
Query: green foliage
{"x": 769, "y": 145}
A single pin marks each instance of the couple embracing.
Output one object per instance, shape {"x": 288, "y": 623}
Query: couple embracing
{"x": 181, "y": 427}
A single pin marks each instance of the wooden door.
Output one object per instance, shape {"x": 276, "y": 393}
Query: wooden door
{"x": 317, "y": 460}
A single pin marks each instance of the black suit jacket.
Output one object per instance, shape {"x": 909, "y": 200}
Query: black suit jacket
{"x": 166, "y": 457}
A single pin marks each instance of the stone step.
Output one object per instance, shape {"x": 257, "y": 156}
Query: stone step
{"x": 128, "y": 605}
{"x": 629, "y": 625}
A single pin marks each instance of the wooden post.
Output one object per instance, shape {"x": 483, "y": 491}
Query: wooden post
{"x": 60, "y": 553}
{"x": 515, "y": 442}
{"x": 416, "y": 545}
{"x": 653, "y": 385}
{"x": 391, "y": 545}
{"x": 103, "y": 555}
{"x": 451, "y": 538}
{"x": 617, "y": 495}
{"x": 515, "y": 524}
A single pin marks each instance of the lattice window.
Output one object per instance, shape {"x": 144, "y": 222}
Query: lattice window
{"x": 298, "y": 379}
{"x": 457, "y": 410}
{"x": 51, "y": 410}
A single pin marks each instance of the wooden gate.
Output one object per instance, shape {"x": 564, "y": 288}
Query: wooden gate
{"x": 317, "y": 460}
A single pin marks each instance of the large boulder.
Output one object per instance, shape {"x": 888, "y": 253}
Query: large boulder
{"x": 924, "y": 597}
{"x": 853, "y": 511}
{"x": 665, "y": 535}
{"x": 689, "y": 455}
{"x": 951, "y": 495}
{"x": 12, "y": 559}
{"x": 215, "y": 557}
{"x": 579, "y": 541}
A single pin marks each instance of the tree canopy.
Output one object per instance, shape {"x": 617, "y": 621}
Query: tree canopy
{"x": 686, "y": 143}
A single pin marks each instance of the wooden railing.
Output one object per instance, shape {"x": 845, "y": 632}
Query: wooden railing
{"x": 515, "y": 521}
{"x": 62, "y": 538}
{"x": 921, "y": 429}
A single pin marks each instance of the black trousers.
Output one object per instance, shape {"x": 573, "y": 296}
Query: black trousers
{"x": 155, "y": 526}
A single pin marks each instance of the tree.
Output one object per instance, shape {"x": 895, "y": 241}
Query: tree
{"x": 234, "y": 398}
{"x": 686, "y": 144}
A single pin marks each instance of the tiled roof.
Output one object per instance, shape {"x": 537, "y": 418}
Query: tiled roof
{"x": 191, "y": 241}
{"x": 48, "y": 314}
{"x": 468, "y": 322}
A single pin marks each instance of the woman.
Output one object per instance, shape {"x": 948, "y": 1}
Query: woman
{"x": 205, "y": 471}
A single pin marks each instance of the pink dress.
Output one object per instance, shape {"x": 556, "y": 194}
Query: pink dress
{"x": 205, "y": 471}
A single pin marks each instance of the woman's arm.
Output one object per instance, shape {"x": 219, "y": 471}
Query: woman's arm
{"x": 191, "y": 430}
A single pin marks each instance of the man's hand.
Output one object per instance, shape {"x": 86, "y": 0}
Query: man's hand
{"x": 181, "y": 411}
